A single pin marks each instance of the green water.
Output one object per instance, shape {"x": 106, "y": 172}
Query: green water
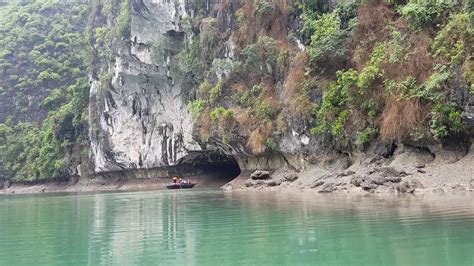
{"x": 214, "y": 228}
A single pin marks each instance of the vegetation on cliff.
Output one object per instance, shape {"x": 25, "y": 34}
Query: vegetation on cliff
{"x": 48, "y": 49}
{"x": 261, "y": 71}
{"x": 404, "y": 74}
{"x": 44, "y": 87}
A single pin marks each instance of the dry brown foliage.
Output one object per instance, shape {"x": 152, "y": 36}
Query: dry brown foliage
{"x": 293, "y": 96}
{"x": 417, "y": 63}
{"x": 226, "y": 127}
{"x": 400, "y": 117}
{"x": 281, "y": 123}
{"x": 468, "y": 68}
{"x": 259, "y": 137}
{"x": 238, "y": 87}
{"x": 272, "y": 25}
{"x": 373, "y": 20}
{"x": 225, "y": 5}
{"x": 245, "y": 120}
{"x": 272, "y": 101}
{"x": 205, "y": 125}
{"x": 296, "y": 76}
{"x": 268, "y": 86}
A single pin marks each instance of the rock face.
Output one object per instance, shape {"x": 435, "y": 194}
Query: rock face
{"x": 140, "y": 119}
{"x": 260, "y": 175}
{"x": 384, "y": 176}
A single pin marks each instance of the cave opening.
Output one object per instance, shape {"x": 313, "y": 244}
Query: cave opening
{"x": 208, "y": 168}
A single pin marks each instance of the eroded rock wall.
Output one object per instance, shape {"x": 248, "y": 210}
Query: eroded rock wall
{"x": 140, "y": 119}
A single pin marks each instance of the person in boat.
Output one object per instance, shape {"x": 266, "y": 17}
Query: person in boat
{"x": 178, "y": 180}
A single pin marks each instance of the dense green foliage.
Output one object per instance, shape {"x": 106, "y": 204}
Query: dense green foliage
{"x": 43, "y": 55}
{"x": 422, "y": 14}
{"x": 41, "y": 48}
{"x": 123, "y": 20}
{"x": 329, "y": 31}
{"x": 29, "y": 152}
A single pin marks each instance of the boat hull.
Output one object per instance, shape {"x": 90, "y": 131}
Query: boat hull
{"x": 180, "y": 186}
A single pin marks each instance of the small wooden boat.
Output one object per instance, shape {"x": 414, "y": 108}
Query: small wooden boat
{"x": 180, "y": 186}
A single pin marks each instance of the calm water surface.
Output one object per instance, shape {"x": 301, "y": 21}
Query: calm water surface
{"x": 215, "y": 228}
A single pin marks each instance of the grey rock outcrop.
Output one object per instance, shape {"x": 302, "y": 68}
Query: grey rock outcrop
{"x": 383, "y": 176}
{"x": 140, "y": 119}
{"x": 328, "y": 188}
{"x": 260, "y": 175}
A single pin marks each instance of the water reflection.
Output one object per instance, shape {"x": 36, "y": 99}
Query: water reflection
{"x": 213, "y": 228}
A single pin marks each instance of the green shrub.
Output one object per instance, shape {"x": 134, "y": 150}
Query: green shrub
{"x": 46, "y": 75}
{"x": 223, "y": 67}
{"x": 264, "y": 8}
{"x": 54, "y": 99}
{"x": 310, "y": 12}
{"x": 271, "y": 144}
{"x": 191, "y": 60}
{"x": 265, "y": 111}
{"x": 102, "y": 37}
{"x": 196, "y": 107}
{"x": 370, "y": 106}
{"x": 256, "y": 90}
{"x": 265, "y": 56}
{"x": 408, "y": 88}
{"x": 423, "y": 14}
{"x": 328, "y": 37}
{"x": 205, "y": 87}
{"x": 454, "y": 39}
{"x": 433, "y": 88}
{"x": 446, "y": 119}
{"x": 250, "y": 53}
{"x": 348, "y": 94}
{"x": 240, "y": 17}
{"x": 335, "y": 108}
{"x": 216, "y": 92}
{"x": 247, "y": 100}
{"x": 328, "y": 31}
{"x": 123, "y": 21}
{"x": 366, "y": 136}
{"x": 221, "y": 112}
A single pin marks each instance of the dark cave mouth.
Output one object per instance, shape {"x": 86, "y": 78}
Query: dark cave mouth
{"x": 214, "y": 166}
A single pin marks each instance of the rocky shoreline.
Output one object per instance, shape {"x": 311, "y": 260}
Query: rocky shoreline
{"x": 407, "y": 172}
{"x": 84, "y": 186}
{"x": 111, "y": 184}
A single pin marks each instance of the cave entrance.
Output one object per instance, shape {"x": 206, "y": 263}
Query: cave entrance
{"x": 207, "y": 168}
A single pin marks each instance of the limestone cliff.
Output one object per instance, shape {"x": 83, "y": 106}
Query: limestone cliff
{"x": 140, "y": 119}
{"x": 260, "y": 82}
{"x": 162, "y": 86}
